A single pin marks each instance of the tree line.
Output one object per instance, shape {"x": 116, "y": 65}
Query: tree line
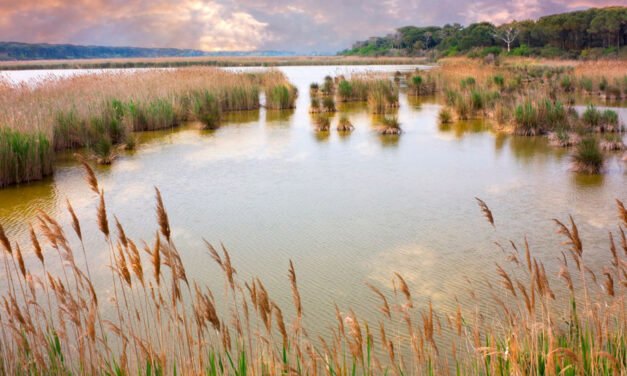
{"x": 588, "y": 34}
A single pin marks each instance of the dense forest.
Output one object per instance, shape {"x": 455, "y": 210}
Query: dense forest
{"x": 44, "y": 51}
{"x": 584, "y": 34}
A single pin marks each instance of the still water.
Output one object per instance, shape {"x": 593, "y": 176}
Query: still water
{"x": 346, "y": 209}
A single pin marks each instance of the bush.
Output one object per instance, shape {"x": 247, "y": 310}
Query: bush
{"x": 522, "y": 50}
{"x": 494, "y": 50}
{"x": 551, "y": 52}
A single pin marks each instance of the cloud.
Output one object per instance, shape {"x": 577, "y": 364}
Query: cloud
{"x": 295, "y": 25}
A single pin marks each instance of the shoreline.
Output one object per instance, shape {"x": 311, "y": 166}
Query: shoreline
{"x": 204, "y": 61}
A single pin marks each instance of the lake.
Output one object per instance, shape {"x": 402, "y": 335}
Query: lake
{"x": 345, "y": 208}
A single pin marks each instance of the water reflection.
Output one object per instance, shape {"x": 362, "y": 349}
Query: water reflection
{"x": 588, "y": 181}
{"x": 279, "y": 117}
{"x": 322, "y": 137}
{"x": 533, "y": 149}
{"x": 389, "y": 140}
{"x": 500, "y": 139}
{"x": 463, "y": 127}
{"x": 345, "y": 207}
{"x": 241, "y": 117}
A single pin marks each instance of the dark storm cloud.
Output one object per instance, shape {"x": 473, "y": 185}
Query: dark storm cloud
{"x": 301, "y": 26}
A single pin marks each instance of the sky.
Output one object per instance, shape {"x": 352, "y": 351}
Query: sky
{"x": 301, "y": 26}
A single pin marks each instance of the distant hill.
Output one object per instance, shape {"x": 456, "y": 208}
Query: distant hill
{"x": 44, "y": 51}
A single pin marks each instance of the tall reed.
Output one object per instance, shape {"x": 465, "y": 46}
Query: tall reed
{"x": 163, "y": 321}
{"x": 93, "y": 109}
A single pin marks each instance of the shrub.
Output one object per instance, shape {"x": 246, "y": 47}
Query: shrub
{"x": 522, "y": 50}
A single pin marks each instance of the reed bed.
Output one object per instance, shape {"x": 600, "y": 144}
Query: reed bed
{"x": 359, "y": 87}
{"x": 96, "y": 109}
{"x": 164, "y": 322}
{"x": 281, "y": 96}
{"x": 212, "y": 61}
{"x": 532, "y": 98}
{"x": 376, "y": 89}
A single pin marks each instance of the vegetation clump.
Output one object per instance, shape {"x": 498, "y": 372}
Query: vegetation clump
{"x": 206, "y": 109}
{"x": 281, "y": 96}
{"x": 444, "y": 116}
{"x": 323, "y": 104}
{"x": 344, "y": 124}
{"x": 322, "y": 123}
{"x": 419, "y": 84}
{"x": 103, "y": 151}
{"x": 24, "y": 157}
{"x": 382, "y": 96}
{"x": 600, "y": 121}
{"x": 389, "y": 126}
{"x": 562, "y": 138}
{"x": 612, "y": 141}
{"x": 588, "y": 157}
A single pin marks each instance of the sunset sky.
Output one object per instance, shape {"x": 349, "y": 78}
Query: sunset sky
{"x": 299, "y": 25}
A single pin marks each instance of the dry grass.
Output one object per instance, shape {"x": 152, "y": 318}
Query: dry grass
{"x": 225, "y": 61}
{"x": 163, "y": 321}
{"x": 27, "y": 108}
{"x": 532, "y": 97}
{"x": 101, "y": 110}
